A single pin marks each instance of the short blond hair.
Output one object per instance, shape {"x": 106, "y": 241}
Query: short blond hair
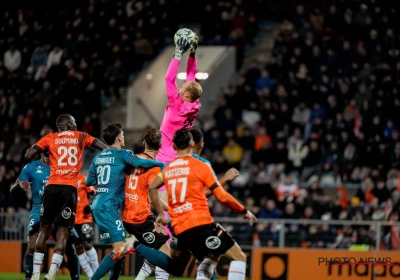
{"x": 195, "y": 90}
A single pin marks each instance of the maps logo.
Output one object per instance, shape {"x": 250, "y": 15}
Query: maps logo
{"x": 370, "y": 268}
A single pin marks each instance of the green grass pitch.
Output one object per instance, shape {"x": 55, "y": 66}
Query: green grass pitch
{"x": 21, "y": 276}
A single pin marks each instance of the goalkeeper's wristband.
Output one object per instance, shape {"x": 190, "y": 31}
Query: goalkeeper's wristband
{"x": 244, "y": 212}
{"x": 192, "y": 54}
{"x": 177, "y": 55}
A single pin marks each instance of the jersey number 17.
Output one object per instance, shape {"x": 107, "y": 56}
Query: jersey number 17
{"x": 182, "y": 186}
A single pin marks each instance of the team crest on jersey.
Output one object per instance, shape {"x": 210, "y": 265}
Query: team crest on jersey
{"x": 66, "y": 213}
{"x": 149, "y": 237}
{"x": 39, "y": 169}
{"x": 213, "y": 242}
{"x": 41, "y": 210}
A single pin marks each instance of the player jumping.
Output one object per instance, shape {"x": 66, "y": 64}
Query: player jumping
{"x": 138, "y": 217}
{"x": 87, "y": 254}
{"x": 33, "y": 179}
{"x": 107, "y": 172}
{"x": 65, "y": 148}
{"x": 183, "y": 103}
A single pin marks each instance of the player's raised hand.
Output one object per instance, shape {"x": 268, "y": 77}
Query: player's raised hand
{"x": 25, "y": 185}
{"x": 231, "y": 174}
{"x": 193, "y": 46}
{"x": 250, "y": 216}
{"x": 182, "y": 46}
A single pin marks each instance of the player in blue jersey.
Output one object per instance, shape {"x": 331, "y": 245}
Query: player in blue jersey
{"x": 33, "y": 178}
{"x": 107, "y": 173}
{"x": 177, "y": 264}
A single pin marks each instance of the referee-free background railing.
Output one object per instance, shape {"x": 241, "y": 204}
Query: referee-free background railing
{"x": 274, "y": 233}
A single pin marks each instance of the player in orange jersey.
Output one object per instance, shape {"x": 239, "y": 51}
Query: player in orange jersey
{"x": 138, "y": 217}
{"x": 196, "y": 230}
{"x": 84, "y": 227}
{"x": 65, "y": 148}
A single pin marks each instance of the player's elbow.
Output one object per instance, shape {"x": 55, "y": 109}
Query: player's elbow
{"x": 30, "y": 153}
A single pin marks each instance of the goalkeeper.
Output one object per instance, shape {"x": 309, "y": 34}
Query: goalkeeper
{"x": 183, "y": 103}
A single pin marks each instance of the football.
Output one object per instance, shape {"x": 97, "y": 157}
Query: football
{"x": 186, "y": 33}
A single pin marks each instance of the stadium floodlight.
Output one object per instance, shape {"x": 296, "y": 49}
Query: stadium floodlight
{"x": 201, "y": 76}
{"x": 182, "y": 76}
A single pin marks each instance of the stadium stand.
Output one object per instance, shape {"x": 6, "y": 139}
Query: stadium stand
{"x": 323, "y": 112}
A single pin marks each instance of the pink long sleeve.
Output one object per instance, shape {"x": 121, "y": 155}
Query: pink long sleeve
{"x": 170, "y": 80}
{"x": 191, "y": 67}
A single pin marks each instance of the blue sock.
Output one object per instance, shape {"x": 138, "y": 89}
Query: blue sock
{"x": 106, "y": 265}
{"x": 214, "y": 276}
{"x": 28, "y": 266}
{"x": 115, "y": 272}
{"x": 154, "y": 257}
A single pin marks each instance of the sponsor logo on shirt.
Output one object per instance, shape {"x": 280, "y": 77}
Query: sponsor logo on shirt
{"x": 184, "y": 208}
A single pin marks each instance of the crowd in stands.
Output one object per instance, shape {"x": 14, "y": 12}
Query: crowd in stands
{"x": 323, "y": 112}
{"x": 71, "y": 56}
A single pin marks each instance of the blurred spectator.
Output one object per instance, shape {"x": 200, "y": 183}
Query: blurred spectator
{"x": 12, "y": 59}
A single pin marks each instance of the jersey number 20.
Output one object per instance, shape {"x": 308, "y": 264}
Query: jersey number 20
{"x": 71, "y": 153}
{"x": 103, "y": 174}
{"x": 174, "y": 183}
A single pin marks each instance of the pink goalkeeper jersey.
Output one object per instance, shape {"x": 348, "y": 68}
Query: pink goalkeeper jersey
{"x": 178, "y": 113}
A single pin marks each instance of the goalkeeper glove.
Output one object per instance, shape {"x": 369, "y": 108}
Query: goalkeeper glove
{"x": 182, "y": 46}
{"x": 87, "y": 210}
{"x": 193, "y": 47}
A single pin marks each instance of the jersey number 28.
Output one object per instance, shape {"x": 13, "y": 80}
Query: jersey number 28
{"x": 182, "y": 189}
{"x": 71, "y": 153}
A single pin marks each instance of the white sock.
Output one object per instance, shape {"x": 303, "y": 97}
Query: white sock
{"x": 56, "y": 261}
{"x": 206, "y": 269}
{"x": 93, "y": 258}
{"x": 237, "y": 270}
{"x": 146, "y": 270}
{"x": 84, "y": 261}
{"x": 37, "y": 262}
{"x": 161, "y": 274}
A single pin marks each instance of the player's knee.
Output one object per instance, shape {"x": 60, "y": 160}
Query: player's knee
{"x": 79, "y": 249}
{"x": 87, "y": 245}
{"x": 241, "y": 257}
{"x": 31, "y": 248}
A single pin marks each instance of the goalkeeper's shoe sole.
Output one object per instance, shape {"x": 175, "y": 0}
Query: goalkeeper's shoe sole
{"x": 127, "y": 248}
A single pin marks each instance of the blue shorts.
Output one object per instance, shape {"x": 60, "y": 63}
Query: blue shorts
{"x": 110, "y": 225}
{"x": 34, "y": 224}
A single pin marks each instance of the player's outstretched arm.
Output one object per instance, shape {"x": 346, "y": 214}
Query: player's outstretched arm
{"x": 99, "y": 145}
{"x": 141, "y": 162}
{"x": 25, "y": 185}
{"x": 229, "y": 176}
{"x": 42, "y": 145}
{"x": 32, "y": 152}
{"x": 191, "y": 65}
{"x": 182, "y": 46}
